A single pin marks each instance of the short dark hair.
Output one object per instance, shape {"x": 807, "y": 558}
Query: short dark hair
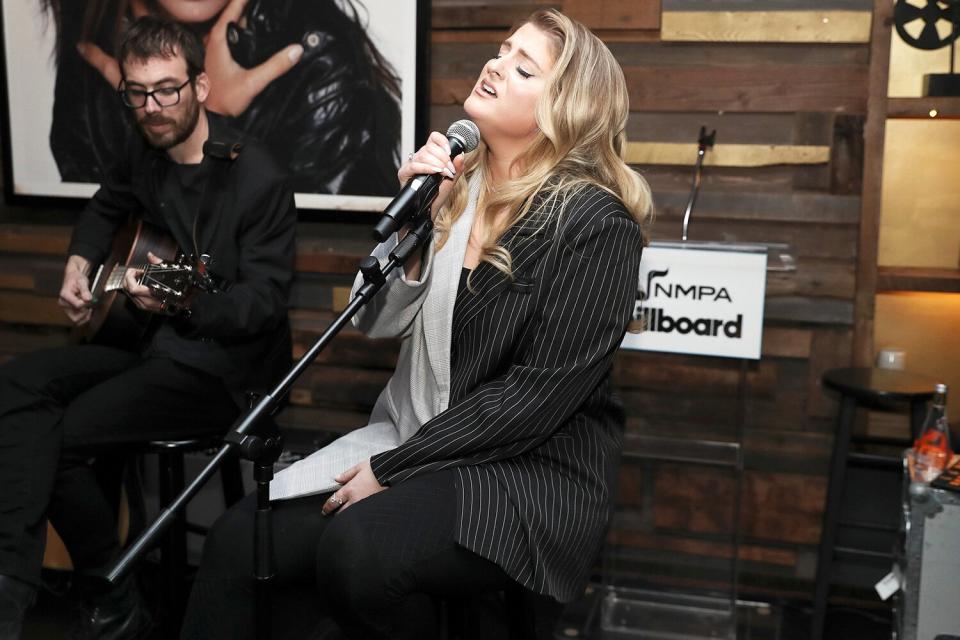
{"x": 150, "y": 37}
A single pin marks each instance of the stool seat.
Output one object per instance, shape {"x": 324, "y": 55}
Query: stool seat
{"x": 186, "y": 444}
{"x": 869, "y": 385}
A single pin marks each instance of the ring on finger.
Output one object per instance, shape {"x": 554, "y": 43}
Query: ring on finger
{"x": 338, "y": 500}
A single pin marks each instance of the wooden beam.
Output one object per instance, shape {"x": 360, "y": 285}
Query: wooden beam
{"x": 874, "y": 133}
{"x": 918, "y": 279}
{"x": 726, "y": 155}
{"x": 833, "y": 27}
{"x": 923, "y": 108}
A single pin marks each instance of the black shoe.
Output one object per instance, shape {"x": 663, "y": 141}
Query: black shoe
{"x": 16, "y": 596}
{"x": 111, "y": 613}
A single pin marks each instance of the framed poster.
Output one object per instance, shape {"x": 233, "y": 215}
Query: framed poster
{"x": 339, "y": 117}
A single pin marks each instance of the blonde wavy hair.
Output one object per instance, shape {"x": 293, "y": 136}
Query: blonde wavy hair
{"x": 582, "y": 117}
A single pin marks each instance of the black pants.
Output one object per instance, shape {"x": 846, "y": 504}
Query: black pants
{"x": 375, "y": 568}
{"x": 62, "y": 407}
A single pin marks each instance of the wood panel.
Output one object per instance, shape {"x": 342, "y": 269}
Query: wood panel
{"x": 767, "y": 5}
{"x": 504, "y": 14}
{"x": 482, "y": 14}
{"x": 745, "y": 88}
{"x": 924, "y": 108}
{"x": 673, "y": 543}
{"x": 800, "y": 207}
{"x": 26, "y": 308}
{"x": 466, "y": 58}
{"x": 758, "y": 87}
{"x": 726, "y": 155}
{"x": 821, "y": 26}
{"x": 918, "y": 279}
{"x": 759, "y": 129}
{"x": 615, "y": 14}
{"x": 31, "y": 238}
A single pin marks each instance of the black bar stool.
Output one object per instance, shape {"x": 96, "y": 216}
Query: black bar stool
{"x": 882, "y": 389}
{"x": 171, "y": 481}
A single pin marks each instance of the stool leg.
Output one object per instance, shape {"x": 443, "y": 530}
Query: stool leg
{"x": 232, "y": 479}
{"x": 174, "y": 560}
{"x": 831, "y": 513}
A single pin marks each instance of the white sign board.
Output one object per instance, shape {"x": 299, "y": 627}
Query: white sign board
{"x": 700, "y": 301}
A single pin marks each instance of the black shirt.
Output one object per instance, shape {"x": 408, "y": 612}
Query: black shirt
{"x": 181, "y": 194}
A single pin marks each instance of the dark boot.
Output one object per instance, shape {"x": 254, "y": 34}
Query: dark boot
{"x": 16, "y": 596}
{"x": 110, "y": 612}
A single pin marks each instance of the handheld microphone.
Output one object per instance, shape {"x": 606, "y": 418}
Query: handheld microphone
{"x": 420, "y": 190}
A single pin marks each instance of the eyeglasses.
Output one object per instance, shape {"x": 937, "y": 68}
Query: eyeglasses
{"x": 163, "y": 96}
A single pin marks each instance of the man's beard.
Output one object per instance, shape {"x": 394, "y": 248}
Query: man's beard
{"x": 178, "y": 131}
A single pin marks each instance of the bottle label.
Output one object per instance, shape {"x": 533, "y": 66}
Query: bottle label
{"x": 929, "y": 463}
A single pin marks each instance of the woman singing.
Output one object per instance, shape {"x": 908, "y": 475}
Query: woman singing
{"x": 490, "y": 458}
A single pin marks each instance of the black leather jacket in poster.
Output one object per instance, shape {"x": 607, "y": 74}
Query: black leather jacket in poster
{"x": 331, "y": 120}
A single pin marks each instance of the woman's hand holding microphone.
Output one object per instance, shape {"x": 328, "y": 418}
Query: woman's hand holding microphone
{"x": 433, "y": 158}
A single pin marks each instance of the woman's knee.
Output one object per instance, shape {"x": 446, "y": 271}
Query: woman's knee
{"x": 347, "y": 568}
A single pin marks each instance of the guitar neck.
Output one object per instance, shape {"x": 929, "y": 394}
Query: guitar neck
{"x": 115, "y": 279}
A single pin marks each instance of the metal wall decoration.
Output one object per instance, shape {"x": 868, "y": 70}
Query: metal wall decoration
{"x": 930, "y": 25}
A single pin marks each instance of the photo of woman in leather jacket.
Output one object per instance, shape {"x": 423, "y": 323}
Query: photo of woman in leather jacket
{"x": 303, "y": 76}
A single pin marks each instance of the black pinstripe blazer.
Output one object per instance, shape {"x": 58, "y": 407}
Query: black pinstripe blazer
{"x": 531, "y": 427}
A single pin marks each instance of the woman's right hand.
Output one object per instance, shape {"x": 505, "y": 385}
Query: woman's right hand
{"x": 433, "y": 157}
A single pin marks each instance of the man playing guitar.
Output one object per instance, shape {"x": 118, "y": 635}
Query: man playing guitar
{"x": 219, "y": 197}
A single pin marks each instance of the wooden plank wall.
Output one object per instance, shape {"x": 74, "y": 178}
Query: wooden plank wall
{"x": 784, "y": 83}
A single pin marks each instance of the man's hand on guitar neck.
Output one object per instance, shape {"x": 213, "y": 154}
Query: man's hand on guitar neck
{"x": 75, "y": 297}
{"x": 140, "y": 294}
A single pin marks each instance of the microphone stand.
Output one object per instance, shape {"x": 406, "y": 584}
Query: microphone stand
{"x": 704, "y": 142}
{"x": 264, "y": 449}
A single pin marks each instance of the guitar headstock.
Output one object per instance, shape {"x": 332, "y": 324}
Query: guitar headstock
{"x": 170, "y": 282}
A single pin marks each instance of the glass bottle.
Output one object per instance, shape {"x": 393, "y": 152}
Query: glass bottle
{"x": 932, "y": 449}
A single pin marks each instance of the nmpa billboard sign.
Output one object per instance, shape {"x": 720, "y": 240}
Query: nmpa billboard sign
{"x": 700, "y": 301}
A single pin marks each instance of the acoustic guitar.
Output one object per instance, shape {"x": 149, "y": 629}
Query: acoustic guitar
{"x": 115, "y": 320}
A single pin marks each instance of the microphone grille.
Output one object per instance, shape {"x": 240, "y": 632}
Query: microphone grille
{"x": 467, "y": 132}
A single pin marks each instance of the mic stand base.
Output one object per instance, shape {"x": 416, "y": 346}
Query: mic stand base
{"x": 263, "y": 450}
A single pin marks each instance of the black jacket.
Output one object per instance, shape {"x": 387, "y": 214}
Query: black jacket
{"x": 250, "y": 237}
{"x": 330, "y": 121}
{"x": 532, "y": 428}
